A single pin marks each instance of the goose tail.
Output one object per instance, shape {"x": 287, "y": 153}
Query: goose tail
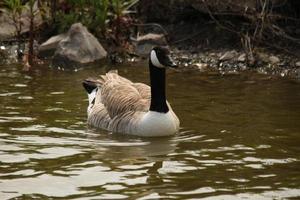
{"x": 92, "y": 86}
{"x": 89, "y": 85}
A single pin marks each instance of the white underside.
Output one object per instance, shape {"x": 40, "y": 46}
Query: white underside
{"x": 155, "y": 124}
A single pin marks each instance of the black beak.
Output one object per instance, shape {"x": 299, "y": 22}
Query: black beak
{"x": 170, "y": 63}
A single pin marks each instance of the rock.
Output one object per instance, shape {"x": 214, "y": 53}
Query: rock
{"x": 48, "y": 48}
{"x": 297, "y": 64}
{"x": 274, "y": 59}
{"x": 212, "y": 54}
{"x": 242, "y": 57}
{"x": 201, "y": 66}
{"x": 7, "y": 28}
{"x": 263, "y": 57}
{"x": 79, "y": 47}
{"x": 268, "y": 59}
{"x": 228, "y": 55}
{"x": 145, "y": 43}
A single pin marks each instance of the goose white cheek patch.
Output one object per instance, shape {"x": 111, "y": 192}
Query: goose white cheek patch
{"x": 155, "y": 60}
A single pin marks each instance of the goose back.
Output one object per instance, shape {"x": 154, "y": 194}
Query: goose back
{"x": 119, "y": 103}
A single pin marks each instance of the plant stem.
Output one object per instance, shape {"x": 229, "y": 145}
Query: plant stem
{"x": 53, "y": 10}
{"x": 31, "y": 37}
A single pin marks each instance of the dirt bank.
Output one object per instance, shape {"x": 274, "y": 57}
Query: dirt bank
{"x": 207, "y": 35}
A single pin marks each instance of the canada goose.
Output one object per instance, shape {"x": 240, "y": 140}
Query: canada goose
{"x": 119, "y": 105}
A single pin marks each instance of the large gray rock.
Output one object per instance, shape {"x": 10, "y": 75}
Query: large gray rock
{"x": 79, "y": 47}
{"x": 7, "y": 28}
{"x": 48, "y": 48}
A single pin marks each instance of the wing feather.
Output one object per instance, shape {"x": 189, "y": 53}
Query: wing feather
{"x": 119, "y": 102}
{"x": 144, "y": 90}
{"x": 119, "y": 95}
{"x": 99, "y": 116}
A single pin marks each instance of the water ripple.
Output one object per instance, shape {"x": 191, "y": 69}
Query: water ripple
{"x": 234, "y": 145}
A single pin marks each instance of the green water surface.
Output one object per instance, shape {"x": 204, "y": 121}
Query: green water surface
{"x": 239, "y": 139}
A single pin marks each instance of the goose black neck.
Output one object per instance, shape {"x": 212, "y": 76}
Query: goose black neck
{"x": 158, "y": 89}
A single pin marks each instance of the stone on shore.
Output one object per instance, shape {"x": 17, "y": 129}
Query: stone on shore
{"x": 145, "y": 43}
{"x": 228, "y": 55}
{"x": 274, "y": 59}
{"x": 242, "y": 57}
{"x": 7, "y": 27}
{"x": 48, "y": 48}
{"x": 263, "y": 57}
{"x": 79, "y": 47}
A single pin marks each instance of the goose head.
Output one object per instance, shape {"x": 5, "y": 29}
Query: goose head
{"x": 160, "y": 58}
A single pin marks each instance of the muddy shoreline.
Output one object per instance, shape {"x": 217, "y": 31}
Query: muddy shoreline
{"x": 221, "y": 61}
{"x": 227, "y": 61}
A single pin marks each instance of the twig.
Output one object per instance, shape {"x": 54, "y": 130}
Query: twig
{"x": 279, "y": 32}
{"x": 281, "y": 48}
{"x": 216, "y": 21}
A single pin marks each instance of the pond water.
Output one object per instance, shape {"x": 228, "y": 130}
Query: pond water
{"x": 239, "y": 139}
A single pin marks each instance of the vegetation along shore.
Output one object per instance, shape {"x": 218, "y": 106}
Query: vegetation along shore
{"x": 226, "y": 37}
